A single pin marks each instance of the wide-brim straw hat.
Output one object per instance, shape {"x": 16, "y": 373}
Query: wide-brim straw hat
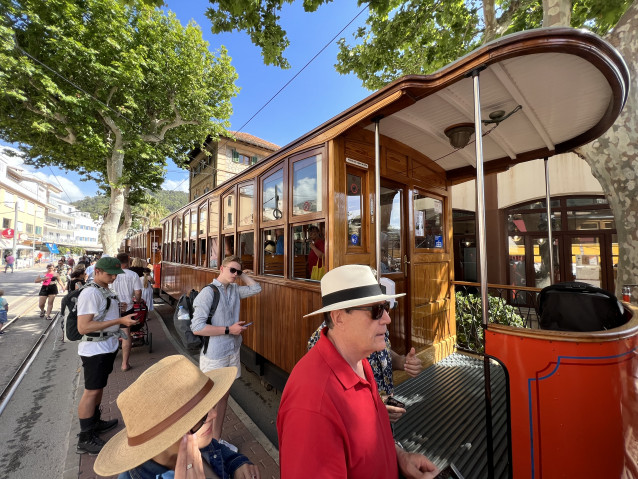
{"x": 349, "y": 286}
{"x": 162, "y": 405}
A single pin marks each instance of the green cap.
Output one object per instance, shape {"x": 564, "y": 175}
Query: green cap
{"x": 110, "y": 265}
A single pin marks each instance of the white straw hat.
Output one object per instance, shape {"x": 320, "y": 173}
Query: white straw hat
{"x": 162, "y": 405}
{"x": 349, "y": 286}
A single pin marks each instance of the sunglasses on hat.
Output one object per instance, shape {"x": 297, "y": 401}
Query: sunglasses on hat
{"x": 376, "y": 310}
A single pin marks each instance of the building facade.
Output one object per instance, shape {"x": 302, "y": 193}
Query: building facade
{"x": 220, "y": 160}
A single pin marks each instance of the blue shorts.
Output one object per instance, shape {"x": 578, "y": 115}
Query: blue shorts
{"x": 3, "y": 316}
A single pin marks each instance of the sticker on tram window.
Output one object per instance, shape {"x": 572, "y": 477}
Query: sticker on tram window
{"x": 438, "y": 241}
{"x": 354, "y": 239}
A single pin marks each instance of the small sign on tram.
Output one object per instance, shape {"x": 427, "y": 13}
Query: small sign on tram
{"x": 358, "y": 163}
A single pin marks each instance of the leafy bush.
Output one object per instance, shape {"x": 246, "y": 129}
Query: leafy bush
{"x": 469, "y": 316}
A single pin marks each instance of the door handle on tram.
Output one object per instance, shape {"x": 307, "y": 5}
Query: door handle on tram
{"x": 405, "y": 259}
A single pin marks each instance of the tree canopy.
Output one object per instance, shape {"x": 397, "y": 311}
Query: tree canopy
{"x": 111, "y": 90}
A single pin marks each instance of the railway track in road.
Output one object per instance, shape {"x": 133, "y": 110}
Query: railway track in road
{"x": 30, "y": 337}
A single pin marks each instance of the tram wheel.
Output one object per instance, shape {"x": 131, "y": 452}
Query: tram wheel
{"x": 150, "y": 342}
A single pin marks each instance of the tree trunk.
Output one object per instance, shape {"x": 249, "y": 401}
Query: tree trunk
{"x": 613, "y": 158}
{"x": 557, "y": 13}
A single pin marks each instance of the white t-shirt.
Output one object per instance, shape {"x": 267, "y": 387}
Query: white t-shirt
{"x": 125, "y": 286}
{"x": 92, "y": 301}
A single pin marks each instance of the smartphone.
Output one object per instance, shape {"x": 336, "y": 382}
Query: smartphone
{"x": 390, "y": 401}
{"x": 450, "y": 472}
{"x": 248, "y": 324}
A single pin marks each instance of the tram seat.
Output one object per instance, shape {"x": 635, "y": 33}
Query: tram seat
{"x": 246, "y": 261}
{"x": 274, "y": 264}
{"x": 300, "y": 269}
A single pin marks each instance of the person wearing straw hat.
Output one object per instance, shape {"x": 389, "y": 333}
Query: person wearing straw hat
{"x": 168, "y": 415}
{"x": 332, "y": 421}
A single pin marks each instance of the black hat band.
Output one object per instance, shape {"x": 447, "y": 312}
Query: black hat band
{"x": 350, "y": 294}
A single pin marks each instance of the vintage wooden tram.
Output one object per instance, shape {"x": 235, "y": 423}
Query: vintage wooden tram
{"x": 376, "y": 180}
{"x": 146, "y": 245}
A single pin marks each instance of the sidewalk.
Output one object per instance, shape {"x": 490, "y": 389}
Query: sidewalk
{"x": 238, "y": 428}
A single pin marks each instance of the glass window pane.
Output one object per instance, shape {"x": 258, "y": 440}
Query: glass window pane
{"x": 203, "y": 214}
{"x": 202, "y": 252}
{"x": 428, "y": 222}
{"x": 354, "y": 207}
{"x": 541, "y": 262}
{"x": 585, "y": 201}
{"x": 390, "y": 230}
{"x": 229, "y": 245}
{"x": 246, "y": 249}
{"x": 585, "y": 254}
{"x": 273, "y": 257}
{"x": 193, "y": 223}
{"x": 178, "y": 233}
{"x": 306, "y": 191}
{"x": 246, "y": 194}
{"x": 273, "y": 197}
{"x": 590, "y": 220}
{"x": 539, "y": 205}
{"x": 308, "y": 249}
{"x": 213, "y": 216}
{"x": 525, "y": 222}
{"x": 192, "y": 258}
{"x": 229, "y": 211}
{"x": 614, "y": 259}
{"x": 213, "y": 261}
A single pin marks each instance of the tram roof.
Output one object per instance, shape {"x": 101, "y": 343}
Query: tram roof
{"x": 570, "y": 83}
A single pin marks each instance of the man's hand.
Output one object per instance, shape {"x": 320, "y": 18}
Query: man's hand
{"x": 129, "y": 320}
{"x": 415, "y": 466}
{"x": 413, "y": 365}
{"x": 237, "y": 328}
{"x": 247, "y": 471}
{"x": 189, "y": 460}
{"x": 394, "y": 412}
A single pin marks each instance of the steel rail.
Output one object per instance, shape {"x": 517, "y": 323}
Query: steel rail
{"x": 21, "y": 372}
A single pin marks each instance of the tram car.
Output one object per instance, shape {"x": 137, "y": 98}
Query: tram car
{"x": 373, "y": 186}
{"x": 147, "y": 245}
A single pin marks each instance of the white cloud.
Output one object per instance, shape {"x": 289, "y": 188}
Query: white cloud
{"x": 176, "y": 185}
{"x": 70, "y": 190}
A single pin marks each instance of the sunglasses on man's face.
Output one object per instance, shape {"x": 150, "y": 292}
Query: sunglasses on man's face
{"x": 199, "y": 424}
{"x": 376, "y": 310}
{"x": 235, "y": 270}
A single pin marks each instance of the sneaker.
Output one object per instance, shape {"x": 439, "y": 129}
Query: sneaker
{"x": 89, "y": 443}
{"x": 102, "y": 426}
{"x": 230, "y": 446}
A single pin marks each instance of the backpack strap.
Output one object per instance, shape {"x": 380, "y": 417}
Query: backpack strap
{"x": 213, "y": 308}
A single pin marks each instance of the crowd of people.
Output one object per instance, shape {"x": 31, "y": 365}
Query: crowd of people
{"x": 335, "y": 398}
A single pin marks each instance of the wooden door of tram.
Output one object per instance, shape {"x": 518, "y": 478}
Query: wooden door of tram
{"x": 393, "y": 252}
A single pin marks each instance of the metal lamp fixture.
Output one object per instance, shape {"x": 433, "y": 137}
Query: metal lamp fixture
{"x": 459, "y": 134}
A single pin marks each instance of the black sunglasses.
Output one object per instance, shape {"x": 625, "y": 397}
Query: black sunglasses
{"x": 234, "y": 270}
{"x": 199, "y": 424}
{"x": 376, "y": 310}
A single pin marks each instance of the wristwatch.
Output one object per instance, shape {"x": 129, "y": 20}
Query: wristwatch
{"x": 227, "y": 330}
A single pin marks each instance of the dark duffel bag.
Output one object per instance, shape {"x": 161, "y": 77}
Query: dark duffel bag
{"x": 579, "y": 306}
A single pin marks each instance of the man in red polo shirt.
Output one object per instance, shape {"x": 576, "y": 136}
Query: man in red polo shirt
{"x": 331, "y": 420}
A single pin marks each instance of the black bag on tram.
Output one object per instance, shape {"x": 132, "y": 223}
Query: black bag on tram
{"x": 575, "y": 306}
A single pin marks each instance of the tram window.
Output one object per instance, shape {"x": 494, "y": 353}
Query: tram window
{"x": 246, "y": 249}
{"x": 193, "y": 231}
{"x": 185, "y": 225}
{"x": 273, "y": 252}
{"x": 229, "y": 211}
{"x": 273, "y": 197}
{"x": 202, "y": 252}
{"x": 229, "y": 245}
{"x": 213, "y": 216}
{"x": 246, "y": 194}
{"x": 178, "y": 229}
{"x": 308, "y": 249}
{"x": 428, "y": 222}
{"x": 203, "y": 213}
{"x": 306, "y": 188}
{"x": 213, "y": 254}
{"x": 391, "y": 230}
{"x": 354, "y": 211}
{"x": 193, "y": 257}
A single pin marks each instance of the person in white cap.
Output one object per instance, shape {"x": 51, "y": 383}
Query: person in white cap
{"x": 168, "y": 413}
{"x": 332, "y": 421}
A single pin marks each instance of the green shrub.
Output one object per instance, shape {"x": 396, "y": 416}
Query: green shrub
{"x": 469, "y": 316}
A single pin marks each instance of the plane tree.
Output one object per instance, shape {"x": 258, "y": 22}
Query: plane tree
{"x": 110, "y": 90}
{"x": 420, "y": 36}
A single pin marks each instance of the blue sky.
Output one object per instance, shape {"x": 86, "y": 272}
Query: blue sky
{"x": 316, "y": 95}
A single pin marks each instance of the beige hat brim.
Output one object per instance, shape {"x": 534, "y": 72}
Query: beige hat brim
{"x": 117, "y": 456}
{"x": 352, "y": 303}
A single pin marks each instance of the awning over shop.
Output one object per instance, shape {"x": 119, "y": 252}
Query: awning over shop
{"x": 6, "y": 244}
{"x": 53, "y": 248}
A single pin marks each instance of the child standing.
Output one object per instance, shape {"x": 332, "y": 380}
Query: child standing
{"x": 4, "y": 309}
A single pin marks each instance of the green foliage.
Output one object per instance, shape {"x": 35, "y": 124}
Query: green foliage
{"x": 144, "y": 88}
{"x": 172, "y": 200}
{"x": 469, "y": 316}
{"x": 97, "y": 206}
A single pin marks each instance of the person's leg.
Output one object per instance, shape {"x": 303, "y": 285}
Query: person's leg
{"x": 41, "y": 301}
{"x": 50, "y": 305}
{"x": 127, "y": 344}
{"x": 218, "y": 422}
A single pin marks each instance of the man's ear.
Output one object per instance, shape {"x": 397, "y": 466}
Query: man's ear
{"x": 338, "y": 317}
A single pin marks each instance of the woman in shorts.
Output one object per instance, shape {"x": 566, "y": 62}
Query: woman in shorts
{"x": 50, "y": 281}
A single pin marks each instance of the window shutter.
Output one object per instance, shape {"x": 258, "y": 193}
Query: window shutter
{"x": 235, "y": 156}
{"x": 254, "y": 160}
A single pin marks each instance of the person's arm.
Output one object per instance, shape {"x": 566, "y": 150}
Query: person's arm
{"x": 317, "y": 251}
{"x": 202, "y": 304}
{"x": 188, "y": 454}
{"x": 251, "y": 287}
{"x": 415, "y": 466}
{"x": 86, "y": 324}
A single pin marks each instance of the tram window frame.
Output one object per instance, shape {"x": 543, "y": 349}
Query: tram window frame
{"x": 202, "y": 230}
{"x": 239, "y": 207}
{"x": 321, "y": 186}
{"x": 225, "y": 210}
{"x": 279, "y": 168}
{"x": 213, "y": 216}
{"x": 273, "y": 268}
{"x": 364, "y": 205}
{"x": 301, "y": 244}
{"x": 242, "y": 252}
{"x": 413, "y": 226}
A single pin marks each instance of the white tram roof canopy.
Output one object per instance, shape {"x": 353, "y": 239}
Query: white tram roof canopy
{"x": 570, "y": 83}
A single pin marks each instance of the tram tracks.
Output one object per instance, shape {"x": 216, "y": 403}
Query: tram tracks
{"x": 20, "y": 372}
